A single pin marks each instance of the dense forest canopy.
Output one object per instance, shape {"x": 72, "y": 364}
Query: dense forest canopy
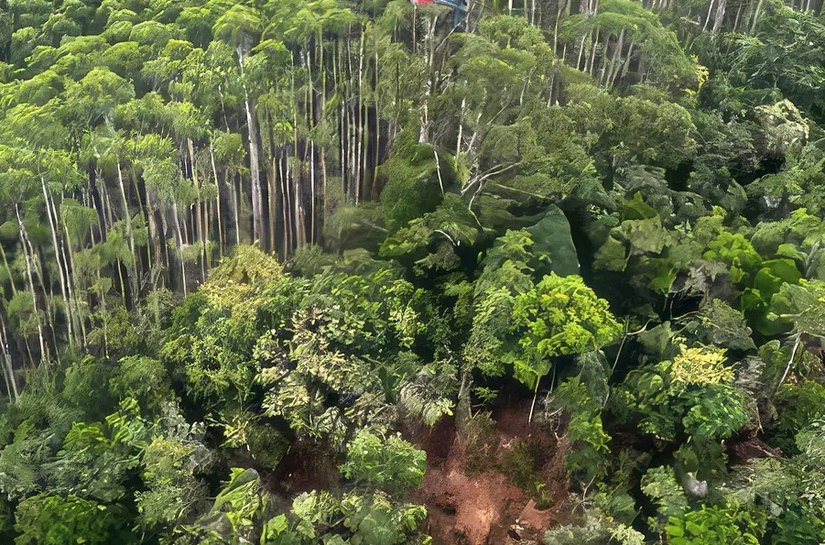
{"x": 292, "y": 272}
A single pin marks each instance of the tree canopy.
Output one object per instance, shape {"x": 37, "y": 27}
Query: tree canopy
{"x": 293, "y": 272}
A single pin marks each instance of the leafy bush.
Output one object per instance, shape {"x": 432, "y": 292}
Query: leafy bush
{"x": 712, "y": 525}
{"x": 692, "y": 392}
{"x": 799, "y": 406}
{"x": 588, "y": 440}
{"x": 387, "y": 463}
{"x": 659, "y": 484}
{"x": 596, "y": 529}
{"x": 415, "y": 176}
{"x": 46, "y": 519}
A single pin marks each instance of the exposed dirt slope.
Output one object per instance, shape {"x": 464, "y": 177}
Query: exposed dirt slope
{"x": 470, "y": 490}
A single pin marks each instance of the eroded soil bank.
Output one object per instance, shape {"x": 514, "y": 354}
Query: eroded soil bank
{"x": 506, "y": 487}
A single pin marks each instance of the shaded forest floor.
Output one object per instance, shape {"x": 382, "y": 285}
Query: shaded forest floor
{"x": 506, "y": 487}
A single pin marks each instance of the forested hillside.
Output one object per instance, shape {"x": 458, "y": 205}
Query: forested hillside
{"x": 373, "y": 272}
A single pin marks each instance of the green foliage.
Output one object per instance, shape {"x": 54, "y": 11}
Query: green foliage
{"x": 588, "y": 456}
{"x": 553, "y": 244}
{"x": 427, "y": 397}
{"x": 597, "y": 528}
{"x": 265, "y": 444}
{"x": 214, "y": 364}
{"x": 416, "y": 183}
{"x": 99, "y": 458}
{"x": 800, "y": 308}
{"x": 313, "y": 512}
{"x": 376, "y": 520}
{"x": 55, "y": 520}
{"x": 433, "y": 241}
{"x": 737, "y": 252}
{"x": 368, "y": 519}
{"x": 171, "y": 463}
{"x": 720, "y": 324}
{"x": 712, "y": 525}
{"x": 802, "y": 526}
{"x": 6, "y": 520}
{"x": 237, "y": 512}
{"x": 691, "y": 394}
{"x": 434, "y": 187}
{"x": 33, "y": 431}
{"x": 234, "y": 282}
{"x": 660, "y": 134}
{"x": 799, "y": 405}
{"x": 659, "y": 484}
{"x": 390, "y": 464}
{"x": 559, "y": 316}
{"x": 143, "y": 379}
{"x": 81, "y": 387}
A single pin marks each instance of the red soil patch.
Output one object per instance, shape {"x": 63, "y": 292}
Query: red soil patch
{"x": 468, "y": 510}
{"x": 471, "y": 501}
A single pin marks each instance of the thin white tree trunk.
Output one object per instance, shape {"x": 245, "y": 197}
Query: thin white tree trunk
{"x": 8, "y": 362}
{"x": 236, "y": 203}
{"x": 756, "y": 16}
{"x": 720, "y": 16}
{"x": 359, "y": 172}
{"x": 254, "y": 156}
{"x": 28, "y": 259}
{"x": 57, "y": 257}
{"x": 129, "y": 232}
{"x": 179, "y": 240}
{"x": 217, "y": 199}
{"x": 199, "y": 226}
{"x": 708, "y": 16}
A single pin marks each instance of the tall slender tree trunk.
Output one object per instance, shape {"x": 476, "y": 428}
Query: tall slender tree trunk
{"x": 429, "y": 39}
{"x": 464, "y": 405}
{"x": 625, "y": 65}
{"x": 312, "y": 122}
{"x": 285, "y": 203}
{"x": 8, "y": 363}
{"x": 69, "y": 260}
{"x": 105, "y": 319}
{"x": 146, "y": 215}
{"x": 258, "y": 232}
{"x": 337, "y": 70}
{"x": 272, "y": 202}
{"x": 30, "y": 277}
{"x": 719, "y": 17}
{"x": 593, "y": 49}
{"x": 322, "y": 117}
{"x": 322, "y": 159}
{"x": 133, "y": 273}
{"x": 376, "y": 156}
{"x": 236, "y": 203}
{"x": 217, "y": 199}
{"x": 736, "y": 19}
{"x": 581, "y": 52}
{"x": 199, "y": 225}
{"x": 8, "y": 270}
{"x": 708, "y": 16}
{"x": 614, "y": 62}
{"x": 756, "y": 14}
{"x": 61, "y": 271}
{"x": 359, "y": 171}
{"x": 460, "y": 137}
{"x": 179, "y": 240}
